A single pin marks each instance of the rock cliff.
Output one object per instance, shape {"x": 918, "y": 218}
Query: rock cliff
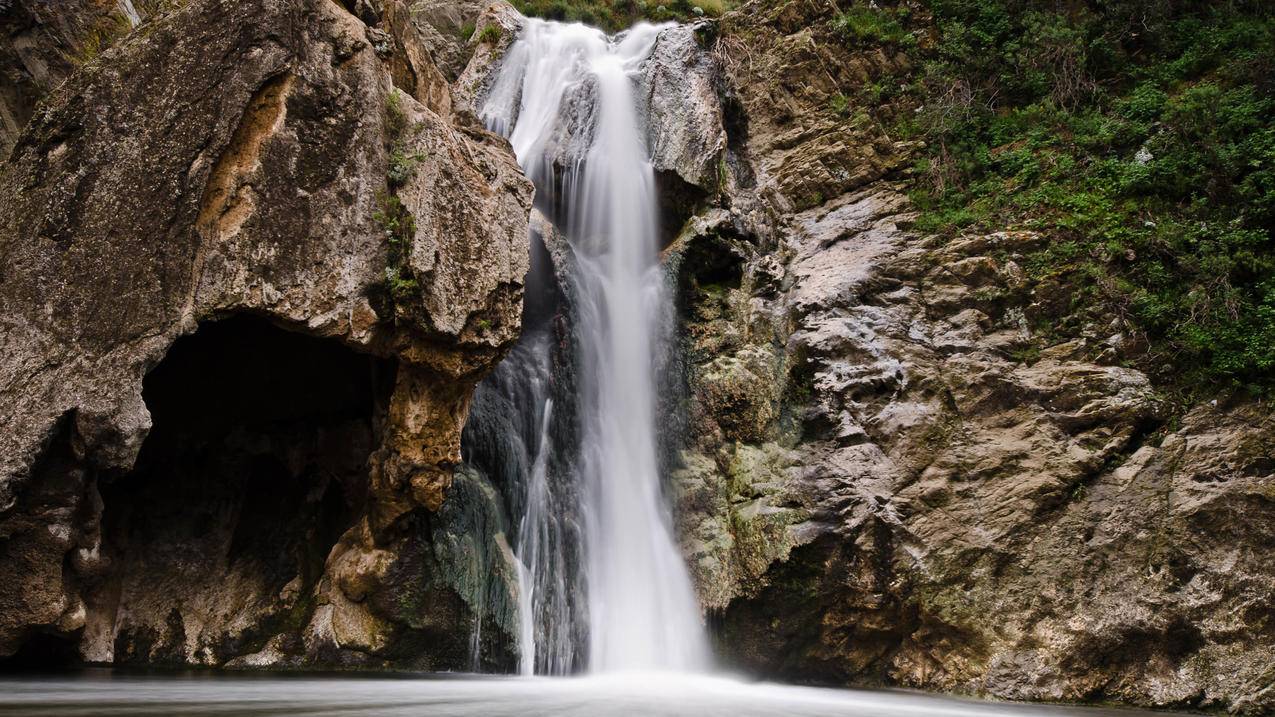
{"x": 255, "y": 256}
{"x": 888, "y": 481}
{"x": 253, "y": 266}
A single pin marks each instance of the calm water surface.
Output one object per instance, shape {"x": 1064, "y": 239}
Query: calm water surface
{"x": 107, "y": 693}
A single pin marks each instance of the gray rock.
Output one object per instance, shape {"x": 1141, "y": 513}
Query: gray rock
{"x": 940, "y": 506}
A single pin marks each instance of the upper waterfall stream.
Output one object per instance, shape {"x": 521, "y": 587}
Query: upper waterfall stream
{"x": 564, "y": 97}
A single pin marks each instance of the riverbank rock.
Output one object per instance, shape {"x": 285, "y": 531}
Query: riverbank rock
{"x": 253, "y": 268}
{"x": 888, "y": 480}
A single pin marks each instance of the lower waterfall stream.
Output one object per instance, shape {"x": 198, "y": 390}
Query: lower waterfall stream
{"x": 564, "y": 97}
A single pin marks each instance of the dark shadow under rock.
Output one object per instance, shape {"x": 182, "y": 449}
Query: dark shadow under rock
{"x": 256, "y": 463}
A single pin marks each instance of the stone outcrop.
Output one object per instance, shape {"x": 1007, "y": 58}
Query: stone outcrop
{"x": 890, "y": 480}
{"x": 40, "y": 43}
{"x": 245, "y": 175}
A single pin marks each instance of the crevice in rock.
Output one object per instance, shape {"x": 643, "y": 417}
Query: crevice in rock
{"x": 678, "y": 200}
{"x": 1145, "y": 430}
{"x": 256, "y": 463}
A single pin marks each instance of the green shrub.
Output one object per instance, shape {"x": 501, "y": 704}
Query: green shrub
{"x": 395, "y": 116}
{"x": 402, "y": 166}
{"x": 865, "y": 25}
{"x": 1140, "y": 137}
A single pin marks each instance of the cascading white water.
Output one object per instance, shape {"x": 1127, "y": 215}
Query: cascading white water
{"x": 564, "y": 97}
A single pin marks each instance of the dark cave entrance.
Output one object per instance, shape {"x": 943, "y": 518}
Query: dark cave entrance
{"x": 256, "y": 463}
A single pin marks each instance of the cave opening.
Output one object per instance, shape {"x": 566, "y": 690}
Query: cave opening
{"x": 257, "y": 461}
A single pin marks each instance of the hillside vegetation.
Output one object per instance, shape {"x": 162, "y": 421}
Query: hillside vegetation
{"x": 1138, "y": 136}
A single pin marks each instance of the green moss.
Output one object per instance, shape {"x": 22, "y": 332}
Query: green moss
{"x": 108, "y": 30}
{"x": 490, "y": 35}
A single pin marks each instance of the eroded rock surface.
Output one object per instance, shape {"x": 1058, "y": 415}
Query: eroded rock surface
{"x": 256, "y": 158}
{"x": 40, "y": 43}
{"x": 889, "y": 481}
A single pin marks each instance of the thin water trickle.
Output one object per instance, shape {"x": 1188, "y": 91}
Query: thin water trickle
{"x": 565, "y": 98}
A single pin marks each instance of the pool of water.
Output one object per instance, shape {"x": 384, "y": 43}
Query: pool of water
{"x": 113, "y": 693}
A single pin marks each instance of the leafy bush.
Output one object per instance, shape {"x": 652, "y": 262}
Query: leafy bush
{"x": 869, "y": 25}
{"x": 1139, "y": 136}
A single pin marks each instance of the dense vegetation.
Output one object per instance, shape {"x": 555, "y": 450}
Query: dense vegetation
{"x": 1138, "y": 135}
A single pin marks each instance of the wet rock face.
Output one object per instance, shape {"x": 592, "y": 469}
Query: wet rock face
{"x": 235, "y": 158}
{"x": 886, "y": 481}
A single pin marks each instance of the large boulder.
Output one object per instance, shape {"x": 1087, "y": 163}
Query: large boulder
{"x": 248, "y": 159}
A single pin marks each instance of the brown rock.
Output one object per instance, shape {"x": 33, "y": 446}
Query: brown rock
{"x": 218, "y": 178}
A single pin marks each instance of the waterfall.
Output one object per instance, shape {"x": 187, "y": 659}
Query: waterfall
{"x": 602, "y": 571}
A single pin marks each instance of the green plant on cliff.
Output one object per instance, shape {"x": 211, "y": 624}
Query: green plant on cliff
{"x": 1139, "y": 136}
{"x": 402, "y": 165}
{"x": 394, "y": 218}
{"x": 400, "y": 227}
{"x": 396, "y": 118}
{"x": 153, "y": 8}
{"x": 106, "y": 31}
{"x": 865, "y": 23}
